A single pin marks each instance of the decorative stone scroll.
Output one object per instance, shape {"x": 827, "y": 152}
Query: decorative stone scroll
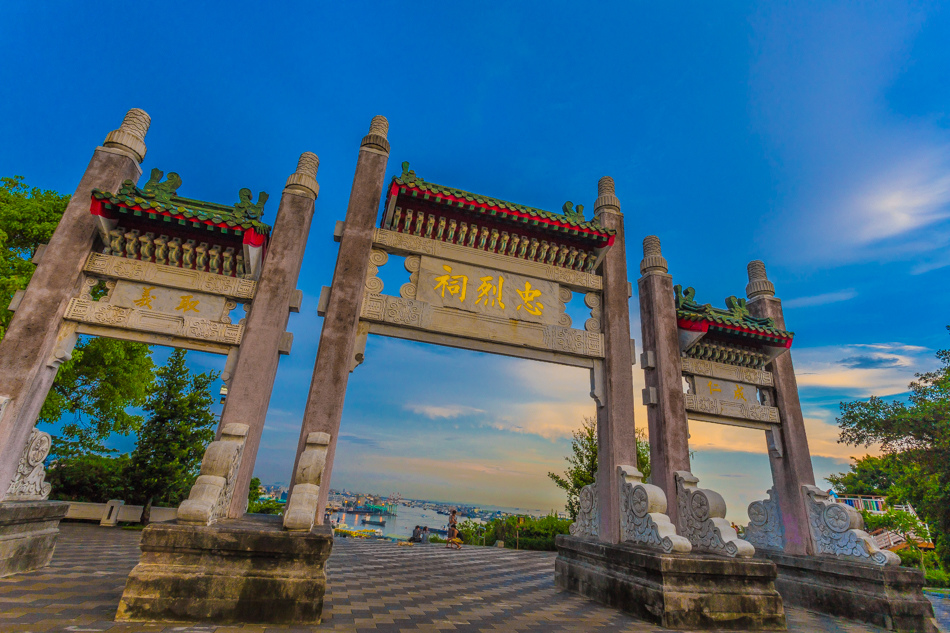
{"x": 301, "y": 511}
{"x": 210, "y": 497}
{"x": 765, "y": 529}
{"x": 643, "y": 518}
{"x": 837, "y": 530}
{"x": 170, "y": 276}
{"x": 593, "y": 301}
{"x": 407, "y": 244}
{"x": 588, "y": 515}
{"x": 29, "y": 483}
{"x": 702, "y": 519}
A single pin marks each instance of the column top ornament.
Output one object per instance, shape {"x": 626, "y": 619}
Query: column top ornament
{"x": 653, "y": 261}
{"x": 130, "y": 137}
{"x": 607, "y": 201}
{"x": 304, "y": 180}
{"x": 378, "y": 133}
{"x": 759, "y": 284}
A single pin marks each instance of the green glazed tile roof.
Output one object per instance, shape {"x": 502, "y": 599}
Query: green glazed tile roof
{"x": 735, "y": 316}
{"x": 572, "y": 218}
{"x": 159, "y": 197}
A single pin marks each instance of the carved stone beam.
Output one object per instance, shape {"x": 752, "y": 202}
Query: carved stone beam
{"x": 211, "y": 495}
{"x": 643, "y": 518}
{"x": 301, "y": 514}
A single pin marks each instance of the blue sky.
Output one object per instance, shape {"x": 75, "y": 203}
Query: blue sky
{"x": 813, "y": 136}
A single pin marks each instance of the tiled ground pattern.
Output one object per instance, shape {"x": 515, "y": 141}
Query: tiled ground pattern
{"x": 373, "y": 586}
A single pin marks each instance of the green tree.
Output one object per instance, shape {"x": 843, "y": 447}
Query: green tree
{"x": 582, "y": 463}
{"x": 869, "y": 475}
{"x": 105, "y": 377}
{"x": 918, "y": 431}
{"x": 254, "y": 490}
{"x": 905, "y": 525}
{"x": 90, "y": 477}
{"x": 172, "y": 440}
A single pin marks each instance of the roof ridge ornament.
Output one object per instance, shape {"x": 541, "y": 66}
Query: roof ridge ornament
{"x": 161, "y": 191}
{"x": 248, "y": 208}
{"x": 572, "y": 213}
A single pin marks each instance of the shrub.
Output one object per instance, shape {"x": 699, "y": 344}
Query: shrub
{"x": 92, "y": 478}
{"x": 937, "y": 578}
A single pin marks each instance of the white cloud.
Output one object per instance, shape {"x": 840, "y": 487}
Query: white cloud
{"x": 435, "y": 412}
{"x": 862, "y": 370}
{"x": 820, "y": 300}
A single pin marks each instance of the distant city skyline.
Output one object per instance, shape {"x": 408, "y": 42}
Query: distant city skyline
{"x": 814, "y": 136}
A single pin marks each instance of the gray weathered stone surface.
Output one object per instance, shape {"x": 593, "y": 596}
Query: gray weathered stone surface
{"x": 28, "y": 344}
{"x": 666, "y": 418}
{"x": 615, "y": 426}
{"x": 885, "y": 596}
{"x": 791, "y": 463}
{"x": 239, "y": 570}
{"x": 331, "y": 370}
{"x": 682, "y": 591}
{"x": 28, "y": 531}
{"x": 253, "y": 379}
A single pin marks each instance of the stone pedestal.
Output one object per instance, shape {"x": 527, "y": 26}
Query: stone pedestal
{"x": 28, "y": 532}
{"x": 238, "y": 570}
{"x": 683, "y": 591}
{"x": 886, "y": 596}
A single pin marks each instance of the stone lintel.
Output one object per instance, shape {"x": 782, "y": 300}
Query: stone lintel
{"x": 885, "y": 596}
{"x": 419, "y": 315}
{"x": 713, "y": 369}
{"x": 403, "y": 244}
{"x": 28, "y": 531}
{"x": 678, "y": 591}
{"x": 151, "y": 338}
{"x": 490, "y": 347}
{"x": 111, "y": 316}
{"x": 235, "y": 571}
{"x": 170, "y": 276}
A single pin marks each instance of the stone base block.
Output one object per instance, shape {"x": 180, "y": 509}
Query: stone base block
{"x": 236, "y": 571}
{"x": 28, "y": 531}
{"x": 683, "y": 591}
{"x": 889, "y": 597}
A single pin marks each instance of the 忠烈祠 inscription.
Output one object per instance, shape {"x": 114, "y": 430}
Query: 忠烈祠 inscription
{"x": 486, "y": 291}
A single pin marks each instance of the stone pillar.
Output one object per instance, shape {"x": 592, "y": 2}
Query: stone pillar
{"x": 253, "y": 379}
{"x": 663, "y": 374}
{"x": 27, "y": 362}
{"x": 331, "y": 370}
{"x": 789, "y": 457}
{"x": 616, "y": 440}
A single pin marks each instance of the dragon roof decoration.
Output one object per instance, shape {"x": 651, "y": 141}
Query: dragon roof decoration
{"x": 158, "y": 198}
{"x": 571, "y": 222}
{"x": 734, "y": 320}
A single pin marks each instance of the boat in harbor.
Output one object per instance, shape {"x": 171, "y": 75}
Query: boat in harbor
{"x": 381, "y": 522}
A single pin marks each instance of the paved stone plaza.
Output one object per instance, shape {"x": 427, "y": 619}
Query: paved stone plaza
{"x": 373, "y": 586}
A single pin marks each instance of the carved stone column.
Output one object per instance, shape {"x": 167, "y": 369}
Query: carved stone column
{"x": 27, "y": 360}
{"x": 253, "y": 379}
{"x": 663, "y": 373}
{"x": 616, "y": 441}
{"x": 789, "y": 458}
{"x": 331, "y": 370}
